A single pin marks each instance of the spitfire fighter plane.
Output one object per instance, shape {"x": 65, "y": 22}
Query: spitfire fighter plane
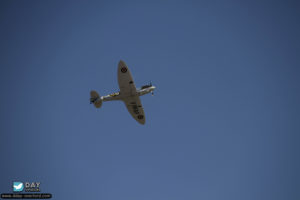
{"x": 128, "y": 93}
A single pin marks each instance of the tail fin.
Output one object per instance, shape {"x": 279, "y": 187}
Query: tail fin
{"x": 95, "y": 99}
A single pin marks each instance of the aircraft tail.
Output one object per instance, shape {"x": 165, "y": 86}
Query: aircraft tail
{"x": 95, "y": 99}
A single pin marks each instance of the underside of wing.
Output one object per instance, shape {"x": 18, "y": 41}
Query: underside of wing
{"x": 125, "y": 80}
{"x": 135, "y": 108}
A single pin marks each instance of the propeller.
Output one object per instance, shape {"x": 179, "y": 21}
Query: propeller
{"x": 152, "y": 93}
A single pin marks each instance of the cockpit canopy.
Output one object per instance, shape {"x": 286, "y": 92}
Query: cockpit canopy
{"x": 114, "y": 94}
{"x": 145, "y": 86}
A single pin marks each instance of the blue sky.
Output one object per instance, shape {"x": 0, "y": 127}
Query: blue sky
{"x": 223, "y": 124}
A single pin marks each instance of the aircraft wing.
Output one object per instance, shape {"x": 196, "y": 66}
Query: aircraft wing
{"x": 135, "y": 108}
{"x": 126, "y": 84}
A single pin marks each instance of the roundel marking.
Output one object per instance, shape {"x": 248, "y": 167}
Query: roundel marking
{"x": 123, "y": 70}
{"x": 140, "y": 117}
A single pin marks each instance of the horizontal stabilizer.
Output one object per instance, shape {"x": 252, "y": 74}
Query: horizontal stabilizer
{"x": 95, "y": 99}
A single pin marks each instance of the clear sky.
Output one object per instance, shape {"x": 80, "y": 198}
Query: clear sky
{"x": 224, "y": 122}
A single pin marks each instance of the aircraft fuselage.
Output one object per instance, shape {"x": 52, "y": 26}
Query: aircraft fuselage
{"x": 120, "y": 96}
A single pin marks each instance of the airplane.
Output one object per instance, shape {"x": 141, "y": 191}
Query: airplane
{"x": 128, "y": 93}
